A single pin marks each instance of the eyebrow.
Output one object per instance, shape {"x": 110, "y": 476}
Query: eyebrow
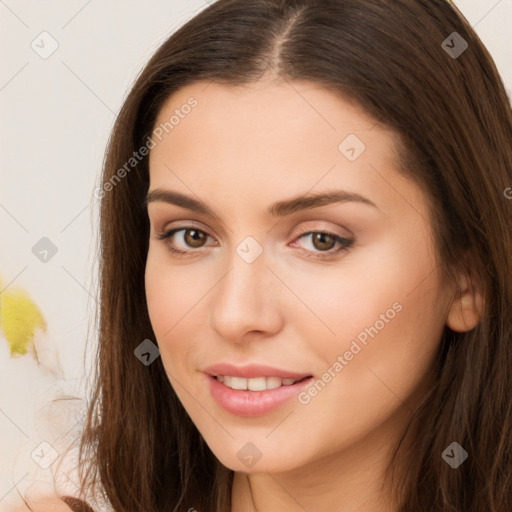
{"x": 278, "y": 209}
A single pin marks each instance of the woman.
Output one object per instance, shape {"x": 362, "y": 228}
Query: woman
{"x": 305, "y": 267}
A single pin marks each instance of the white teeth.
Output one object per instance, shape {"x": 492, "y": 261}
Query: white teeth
{"x": 254, "y": 384}
{"x": 273, "y": 382}
{"x": 257, "y": 384}
{"x": 238, "y": 383}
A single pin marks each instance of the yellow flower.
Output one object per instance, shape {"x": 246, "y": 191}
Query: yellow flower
{"x": 19, "y": 319}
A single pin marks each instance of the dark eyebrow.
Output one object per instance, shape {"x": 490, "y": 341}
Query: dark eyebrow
{"x": 278, "y": 209}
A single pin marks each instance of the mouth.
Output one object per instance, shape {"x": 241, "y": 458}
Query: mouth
{"x": 257, "y": 383}
{"x": 255, "y": 396}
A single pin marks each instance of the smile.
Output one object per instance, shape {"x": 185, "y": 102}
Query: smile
{"x": 255, "y": 396}
{"x": 256, "y": 383}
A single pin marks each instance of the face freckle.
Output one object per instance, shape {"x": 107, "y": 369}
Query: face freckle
{"x": 256, "y": 286}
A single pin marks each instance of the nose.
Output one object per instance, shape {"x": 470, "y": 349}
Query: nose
{"x": 245, "y": 301}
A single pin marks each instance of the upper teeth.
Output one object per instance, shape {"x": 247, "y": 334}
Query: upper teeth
{"x": 254, "y": 384}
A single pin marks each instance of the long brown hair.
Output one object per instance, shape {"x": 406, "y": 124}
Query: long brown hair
{"x": 454, "y": 126}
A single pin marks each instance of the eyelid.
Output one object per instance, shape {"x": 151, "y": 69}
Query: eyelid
{"x": 168, "y": 232}
{"x": 315, "y": 228}
{"x": 311, "y": 226}
{"x": 168, "y": 227}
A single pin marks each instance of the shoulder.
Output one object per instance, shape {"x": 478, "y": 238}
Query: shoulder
{"x": 66, "y": 504}
{"x": 42, "y": 505}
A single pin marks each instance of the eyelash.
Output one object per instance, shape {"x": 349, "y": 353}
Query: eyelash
{"x": 344, "y": 242}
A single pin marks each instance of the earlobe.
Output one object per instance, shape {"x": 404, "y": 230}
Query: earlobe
{"x": 466, "y": 308}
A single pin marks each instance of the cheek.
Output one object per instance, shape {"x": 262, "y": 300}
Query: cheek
{"x": 171, "y": 290}
{"x": 160, "y": 300}
{"x": 366, "y": 287}
{"x": 387, "y": 312}
{"x": 382, "y": 311}
{"x": 176, "y": 298}
{"x": 167, "y": 294}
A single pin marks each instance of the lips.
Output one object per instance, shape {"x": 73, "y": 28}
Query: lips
{"x": 231, "y": 385}
{"x": 253, "y": 371}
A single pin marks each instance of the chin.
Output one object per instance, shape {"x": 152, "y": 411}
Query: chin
{"x": 247, "y": 458}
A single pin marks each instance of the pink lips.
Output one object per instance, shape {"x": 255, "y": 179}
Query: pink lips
{"x": 251, "y": 371}
{"x": 253, "y": 403}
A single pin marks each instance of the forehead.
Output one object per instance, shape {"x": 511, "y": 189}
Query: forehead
{"x": 270, "y": 138}
{"x": 263, "y": 108}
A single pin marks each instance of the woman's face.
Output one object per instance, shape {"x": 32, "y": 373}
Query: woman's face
{"x": 344, "y": 292}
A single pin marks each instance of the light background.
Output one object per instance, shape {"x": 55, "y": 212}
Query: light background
{"x": 56, "y": 116}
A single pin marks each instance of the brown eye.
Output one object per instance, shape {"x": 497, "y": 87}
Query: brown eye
{"x": 184, "y": 240}
{"x": 194, "y": 238}
{"x": 323, "y": 241}
{"x": 324, "y": 244}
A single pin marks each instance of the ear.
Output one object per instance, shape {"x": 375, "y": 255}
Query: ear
{"x": 466, "y": 308}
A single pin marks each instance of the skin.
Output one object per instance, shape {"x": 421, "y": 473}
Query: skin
{"x": 240, "y": 150}
{"x": 48, "y": 504}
